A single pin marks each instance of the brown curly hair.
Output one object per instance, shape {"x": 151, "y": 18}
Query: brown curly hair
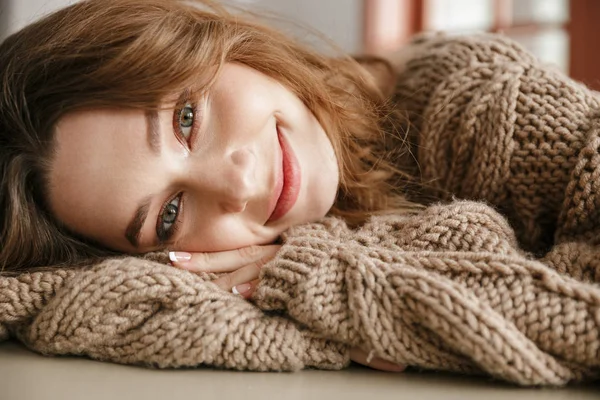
{"x": 134, "y": 53}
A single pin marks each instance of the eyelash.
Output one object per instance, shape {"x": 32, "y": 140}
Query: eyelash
{"x": 164, "y": 235}
{"x": 185, "y": 102}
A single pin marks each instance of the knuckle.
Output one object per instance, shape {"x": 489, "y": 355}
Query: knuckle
{"x": 202, "y": 260}
{"x": 225, "y": 282}
{"x": 255, "y": 268}
{"x": 250, "y": 252}
{"x": 263, "y": 261}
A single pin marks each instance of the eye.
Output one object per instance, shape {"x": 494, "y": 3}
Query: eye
{"x": 167, "y": 220}
{"x": 185, "y": 121}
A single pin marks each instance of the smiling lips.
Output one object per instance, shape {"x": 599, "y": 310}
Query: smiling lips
{"x": 287, "y": 184}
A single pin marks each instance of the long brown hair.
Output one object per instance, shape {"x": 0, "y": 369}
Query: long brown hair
{"x": 134, "y": 53}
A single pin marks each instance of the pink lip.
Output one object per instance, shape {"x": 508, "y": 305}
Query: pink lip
{"x": 287, "y": 184}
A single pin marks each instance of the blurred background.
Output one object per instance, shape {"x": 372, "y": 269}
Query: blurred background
{"x": 560, "y": 32}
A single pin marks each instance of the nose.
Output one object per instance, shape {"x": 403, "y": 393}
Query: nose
{"x": 236, "y": 183}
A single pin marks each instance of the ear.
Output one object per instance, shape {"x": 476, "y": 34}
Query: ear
{"x": 380, "y": 71}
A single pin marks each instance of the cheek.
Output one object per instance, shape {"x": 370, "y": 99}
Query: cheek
{"x": 244, "y": 115}
{"x": 242, "y": 97}
{"x": 321, "y": 162}
{"x": 215, "y": 236}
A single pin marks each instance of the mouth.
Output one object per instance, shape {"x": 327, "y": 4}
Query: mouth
{"x": 287, "y": 184}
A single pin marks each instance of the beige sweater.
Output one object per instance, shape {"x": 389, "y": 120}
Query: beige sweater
{"x": 451, "y": 288}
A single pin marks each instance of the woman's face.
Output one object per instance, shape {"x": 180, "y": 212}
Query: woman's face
{"x": 233, "y": 168}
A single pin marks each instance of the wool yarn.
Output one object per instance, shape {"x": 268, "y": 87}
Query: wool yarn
{"x": 505, "y": 282}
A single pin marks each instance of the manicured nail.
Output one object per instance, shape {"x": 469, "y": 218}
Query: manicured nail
{"x": 179, "y": 256}
{"x": 242, "y": 289}
{"x": 398, "y": 368}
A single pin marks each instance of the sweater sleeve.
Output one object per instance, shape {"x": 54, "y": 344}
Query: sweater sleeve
{"x": 135, "y": 311}
{"x": 490, "y": 122}
{"x": 454, "y": 295}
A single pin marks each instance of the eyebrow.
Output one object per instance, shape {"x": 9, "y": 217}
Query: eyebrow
{"x": 134, "y": 228}
{"x": 153, "y": 131}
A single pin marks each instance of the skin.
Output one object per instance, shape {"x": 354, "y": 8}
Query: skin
{"x": 218, "y": 175}
{"x": 104, "y": 168}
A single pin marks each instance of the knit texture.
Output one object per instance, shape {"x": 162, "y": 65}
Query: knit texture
{"x": 446, "y": 289}
{"x": 137, "y": 311}
{"x": 505, "y": 283}
{"x": 490, "y": 123}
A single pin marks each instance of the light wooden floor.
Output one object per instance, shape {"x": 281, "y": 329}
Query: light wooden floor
{"x": 28, "y": 376}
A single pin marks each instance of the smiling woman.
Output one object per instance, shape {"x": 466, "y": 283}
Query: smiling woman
{"x": 231, "y": 167}
{"x": 130, "y": 125}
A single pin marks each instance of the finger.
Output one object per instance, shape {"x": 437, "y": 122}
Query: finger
{"x": 245, "y": 289}
{"x": 223, "y": 261}
{"x": 245, "y": 274}
{"x": 362, "y": 357}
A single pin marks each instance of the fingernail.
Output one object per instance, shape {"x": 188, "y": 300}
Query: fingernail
{"x": 179, "y": 256}
{"x": 397, "y": 368}
{"x": 242, "y": 289}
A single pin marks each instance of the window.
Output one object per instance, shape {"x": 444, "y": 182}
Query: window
{"x": 559, "y": 32}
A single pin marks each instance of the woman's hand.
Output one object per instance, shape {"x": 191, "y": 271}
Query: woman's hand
{"x": 361, "y": 357}
{"x": 241, "y": 266}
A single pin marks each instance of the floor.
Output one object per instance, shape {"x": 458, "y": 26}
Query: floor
{"x": 27, "y": 376}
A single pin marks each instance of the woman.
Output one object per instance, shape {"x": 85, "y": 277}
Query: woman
{"x": 102, "y": 76}
{"x": 225, "y": 146}
{"x": 268, "y": 99}
{"x": 134, "y": 126}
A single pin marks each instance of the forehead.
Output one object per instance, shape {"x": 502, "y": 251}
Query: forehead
{"x": 98, "y": 172}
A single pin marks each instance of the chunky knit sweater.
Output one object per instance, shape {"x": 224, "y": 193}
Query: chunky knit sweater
{"x": 505, "y": 282}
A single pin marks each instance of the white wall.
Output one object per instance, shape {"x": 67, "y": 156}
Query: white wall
{"x": 4, "y": 17}
{"x": 23, "y": 12}
{"x": 338, "y": 20}
{"x": 460, "y": 15}
{"x": 551, "y": 45}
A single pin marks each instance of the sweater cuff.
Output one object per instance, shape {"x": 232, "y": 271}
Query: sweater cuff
{"x": 306, "y": 248}
{"x": 322, "y": 353}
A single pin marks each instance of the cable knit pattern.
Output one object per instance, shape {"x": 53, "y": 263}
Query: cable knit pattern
{"x": 136, "y": 311}
{"x": 505, "y": 282}
{"x": 421, "y": 304}
{"x": 495, "y": 125}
